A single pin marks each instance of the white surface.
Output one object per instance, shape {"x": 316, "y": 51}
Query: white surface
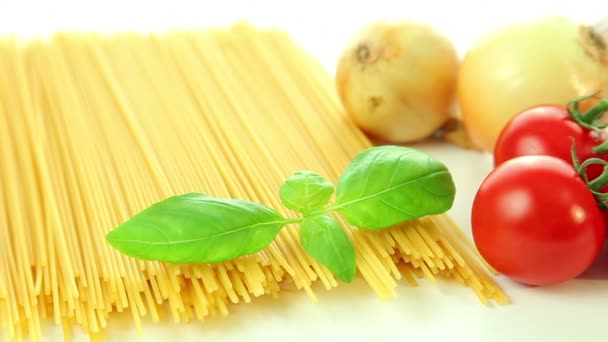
{"x": 575, "y": 310}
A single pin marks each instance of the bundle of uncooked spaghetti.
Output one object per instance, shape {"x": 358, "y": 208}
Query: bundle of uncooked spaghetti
{"x": 95, "y": 128}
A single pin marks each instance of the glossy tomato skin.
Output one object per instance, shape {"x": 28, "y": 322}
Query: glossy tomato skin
{"x": 535, "y": 221}
{"x": 546, "y": 130}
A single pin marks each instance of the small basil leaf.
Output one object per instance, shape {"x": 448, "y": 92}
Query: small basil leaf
{"x": 197, "y": 228}
{"x": 305, "y": 191}
{"x": 323, "y": 238}
{"x": 386, "y": 185}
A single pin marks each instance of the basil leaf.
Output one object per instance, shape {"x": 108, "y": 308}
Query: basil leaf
{"x": 197, "y": 228}
{"x": 305, "y": 191}
{"x": 386, "y": 185}
{"x": 323, "y": 238}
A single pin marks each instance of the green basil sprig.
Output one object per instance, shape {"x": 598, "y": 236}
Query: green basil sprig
{"x": 383, "y": 186}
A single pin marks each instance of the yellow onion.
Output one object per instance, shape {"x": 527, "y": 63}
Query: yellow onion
{"x": 398, "y": 80}
{"x": 549, "y": 60}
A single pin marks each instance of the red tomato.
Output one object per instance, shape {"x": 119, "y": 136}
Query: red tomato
{"x": 546, "y": 130}
{"x": 535, "y": 221}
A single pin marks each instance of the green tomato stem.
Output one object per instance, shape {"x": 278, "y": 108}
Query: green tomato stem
{"x": 595, "y": 185}
{"x": 596, "y": 112}
{"x": 590, "y": 118}
{"x": 576, "y": 162}
{"x": 598, "y": 183}
{"x": 602, "y": 180}
{"x": 602, "y": 148}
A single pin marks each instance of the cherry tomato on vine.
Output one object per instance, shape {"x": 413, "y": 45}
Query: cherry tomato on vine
{"x": 535, "y": 221}
{"x": 547, "y": 130}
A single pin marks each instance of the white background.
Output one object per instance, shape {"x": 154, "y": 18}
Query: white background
{"x": 575, "y": 310}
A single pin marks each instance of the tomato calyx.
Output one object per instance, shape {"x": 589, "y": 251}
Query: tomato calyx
{"x": 591, "y": 119}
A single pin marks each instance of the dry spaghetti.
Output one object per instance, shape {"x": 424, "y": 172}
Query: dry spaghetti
{"x": 95, "y": 128}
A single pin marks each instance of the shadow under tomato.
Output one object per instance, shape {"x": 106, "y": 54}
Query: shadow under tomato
{"x": 599, "y": 269}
